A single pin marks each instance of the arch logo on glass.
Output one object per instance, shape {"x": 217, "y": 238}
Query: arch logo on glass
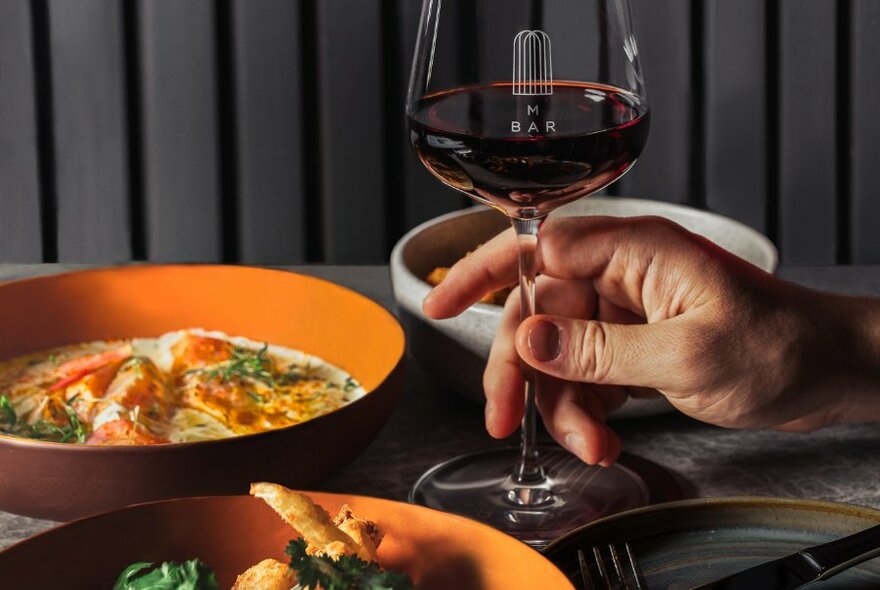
{"x": 532, "y": 76}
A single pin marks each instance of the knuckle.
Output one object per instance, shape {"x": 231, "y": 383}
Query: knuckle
{"x": 590, "y": 353}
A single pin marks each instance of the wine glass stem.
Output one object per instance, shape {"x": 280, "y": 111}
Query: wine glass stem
{"x": 529, "y": 470}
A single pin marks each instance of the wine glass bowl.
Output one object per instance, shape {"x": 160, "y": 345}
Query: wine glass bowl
{"x": 549, "y": 107}
{"x": 528, "y": 155}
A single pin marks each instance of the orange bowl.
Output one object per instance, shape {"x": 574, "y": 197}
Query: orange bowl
{"x": 230, "y": 533}
{"x": 65, "y": 481}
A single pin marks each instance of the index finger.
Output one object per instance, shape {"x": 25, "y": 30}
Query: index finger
{"x": 495, "y": 264}
{"x": 491, "y": 267}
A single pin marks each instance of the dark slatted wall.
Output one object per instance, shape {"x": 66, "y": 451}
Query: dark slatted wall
{"x": 20, "y": 226}
{"x": 667, "y": 167}
{"x": 272, "y": 131}
{"x": 269, "y": 140}
{"x": 807, "y": 111}
{"x": 735, "y": 151}
{"x": 862, "y": 30}
{"x": 88, "y": 127}
{"x": 181, "y": 129}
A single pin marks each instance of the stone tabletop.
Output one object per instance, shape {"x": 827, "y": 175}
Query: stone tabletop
{"x": 431, "y": 424}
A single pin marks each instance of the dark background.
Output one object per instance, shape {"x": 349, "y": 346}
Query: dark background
{"x": 272, "y": 131}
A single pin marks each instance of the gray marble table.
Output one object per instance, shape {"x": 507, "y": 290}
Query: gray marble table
{"x": 431, "y": 424}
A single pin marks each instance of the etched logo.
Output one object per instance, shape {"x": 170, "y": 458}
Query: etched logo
{"x": 532, "y": 64}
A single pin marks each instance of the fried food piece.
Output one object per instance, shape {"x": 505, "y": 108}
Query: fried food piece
{"x": 269, "y": 574}
{"x": 436, "y": 276}
{"x": 363, "y": 532}
{"x": 310, "y": 520}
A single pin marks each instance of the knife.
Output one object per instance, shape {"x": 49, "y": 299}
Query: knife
{"x": 809, "y": 565}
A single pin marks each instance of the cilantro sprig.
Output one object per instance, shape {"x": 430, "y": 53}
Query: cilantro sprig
{"x": 9, "y": 415}
{"x": 189, "y": 575}
{"x": 347, "y": 572}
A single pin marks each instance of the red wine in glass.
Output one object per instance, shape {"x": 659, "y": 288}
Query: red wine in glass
{"x": 528, "y": 155}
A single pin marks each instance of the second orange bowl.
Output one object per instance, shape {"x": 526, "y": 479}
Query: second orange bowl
{"x": 438, "y": 551}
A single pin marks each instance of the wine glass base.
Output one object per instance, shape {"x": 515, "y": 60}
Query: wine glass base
{"x": 480, "y": 486}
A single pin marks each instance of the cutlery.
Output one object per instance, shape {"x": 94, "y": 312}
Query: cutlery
{"x": 808, "y": 565}
{"x": 620, "y": 571}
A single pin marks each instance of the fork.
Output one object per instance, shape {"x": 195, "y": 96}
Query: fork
{"x": 622, "y": 573}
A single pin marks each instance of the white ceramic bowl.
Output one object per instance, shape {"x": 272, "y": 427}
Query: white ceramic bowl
{"x": 454, "y": 351}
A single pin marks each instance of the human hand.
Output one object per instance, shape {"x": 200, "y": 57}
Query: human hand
{"x": 639, "y": 306}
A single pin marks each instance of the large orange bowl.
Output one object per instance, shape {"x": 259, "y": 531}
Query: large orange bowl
{"x": 439, "y": 551}
{"x": 64, "y": 481}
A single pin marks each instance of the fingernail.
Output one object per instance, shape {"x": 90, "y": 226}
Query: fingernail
{"x": 575, "y": 443}
{"x": 544, "y": 341}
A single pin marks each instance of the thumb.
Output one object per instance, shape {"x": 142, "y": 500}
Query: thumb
{"x": 644, "y": 355}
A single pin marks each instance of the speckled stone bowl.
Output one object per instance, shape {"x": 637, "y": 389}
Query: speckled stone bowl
{"x": 454, "y": 351}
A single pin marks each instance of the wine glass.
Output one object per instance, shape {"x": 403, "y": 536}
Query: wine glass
{"x": 524, "y": 106}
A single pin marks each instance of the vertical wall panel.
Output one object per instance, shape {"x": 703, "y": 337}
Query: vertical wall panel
{"x": 268, "y": 84}
{"x": 807, "y": 146}
{"x": 499, "y": 21}
{"x": 350, "y": 73}
{"x": 496, "y": 20}
{"x": 575, "y": 29}
{"x": 736, "y": 110}
{"x": 181, "y": 170}
{"x": 90, "y": 130}
{"x": 865, "y": 132}
{"x": 20, "y": 231}
{"x": 664, "y": 170}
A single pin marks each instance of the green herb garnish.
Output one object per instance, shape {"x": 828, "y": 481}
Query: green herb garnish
{"x": 73, "y": 431}
{"x": 189, "y": 575}
{"x": 350, "y": 385}
{"x": 244, "y": 364}
{"x": 348, "y": 572}
{"x": 9, "y": 416}
{"x": 53, "y": 359}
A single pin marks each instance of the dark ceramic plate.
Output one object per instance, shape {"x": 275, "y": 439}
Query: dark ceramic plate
{"x": 231, "y": 533}
{"x": 697, "y": 541}
{"x": 65, "y": 481}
